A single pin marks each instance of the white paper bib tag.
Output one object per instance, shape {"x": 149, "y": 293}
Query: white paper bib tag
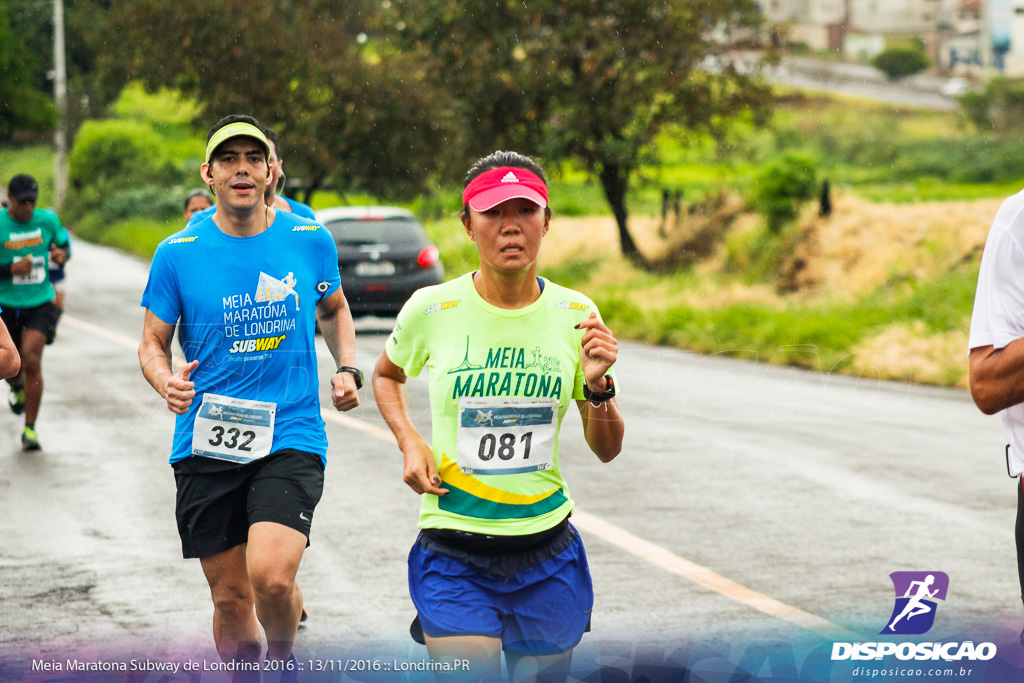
{"x": 233, "y": 429}
{"x": 34, "y": 276}
{"x": 506, "y": 435}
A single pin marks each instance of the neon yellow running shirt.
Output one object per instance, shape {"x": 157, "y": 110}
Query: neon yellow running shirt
{"x": 500, "y": 383}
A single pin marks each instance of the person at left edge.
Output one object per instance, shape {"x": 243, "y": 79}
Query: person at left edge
{"x": 10, "y": 361}
{"x": 246, "y": 285}
{"x": 26, "y": 294}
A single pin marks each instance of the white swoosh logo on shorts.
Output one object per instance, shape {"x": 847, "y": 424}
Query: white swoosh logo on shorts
{"x": 303, "y": 517}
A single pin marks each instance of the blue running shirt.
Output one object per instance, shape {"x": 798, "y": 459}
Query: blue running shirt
{"x": 300, "y": 209}
{"x": 246, "y": 309}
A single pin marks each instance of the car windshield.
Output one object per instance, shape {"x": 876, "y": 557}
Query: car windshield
{"x": 374, "y": 232}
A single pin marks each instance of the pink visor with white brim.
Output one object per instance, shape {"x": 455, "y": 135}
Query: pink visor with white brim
{"x": 489, "y": 189}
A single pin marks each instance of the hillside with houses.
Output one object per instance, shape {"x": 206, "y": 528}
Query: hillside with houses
{"x": 970, "y": 38}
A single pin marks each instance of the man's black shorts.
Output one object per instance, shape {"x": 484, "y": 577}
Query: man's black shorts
{"x": 42, "y": 318}
{"x": 218, "y": 500}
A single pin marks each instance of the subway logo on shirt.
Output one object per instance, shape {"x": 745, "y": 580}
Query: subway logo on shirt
{"x": 261, "y": 344}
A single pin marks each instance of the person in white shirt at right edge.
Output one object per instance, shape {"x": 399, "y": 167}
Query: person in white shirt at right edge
{"x": 997, "y": 343}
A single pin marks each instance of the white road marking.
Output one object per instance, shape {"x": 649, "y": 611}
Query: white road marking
{"x": 331, "y": 415}
{"x": 702, "y": 576}
{"x": 99, "y": 331}
{"x": 110, "y": 336}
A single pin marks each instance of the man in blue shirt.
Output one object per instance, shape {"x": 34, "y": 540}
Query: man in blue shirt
{"x": 247, "y": 285}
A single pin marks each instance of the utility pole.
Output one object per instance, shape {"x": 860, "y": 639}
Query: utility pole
{"x": 60, "y": 96}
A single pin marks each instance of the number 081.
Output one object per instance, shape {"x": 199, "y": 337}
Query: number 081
{"x": 503, "y": 446}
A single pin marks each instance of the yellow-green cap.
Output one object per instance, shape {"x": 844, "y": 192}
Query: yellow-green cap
{"x": 236, "y": 130}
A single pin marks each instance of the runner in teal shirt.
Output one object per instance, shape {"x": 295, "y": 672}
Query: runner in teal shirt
{"x": 28, "y": 241}
{"x": 26, "y": 293}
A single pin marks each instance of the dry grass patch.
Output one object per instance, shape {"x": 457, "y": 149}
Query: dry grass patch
{"x": 864, "y": 246}
{"x": 879, "y": 289}
{"x": 587, "y": 238}
{"x": 909, "y": 352}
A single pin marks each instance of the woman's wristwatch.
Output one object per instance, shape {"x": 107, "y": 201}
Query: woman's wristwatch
{"x": 599, "y": 396}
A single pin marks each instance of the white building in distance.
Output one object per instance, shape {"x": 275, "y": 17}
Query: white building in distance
{"x": 978, "y": 37}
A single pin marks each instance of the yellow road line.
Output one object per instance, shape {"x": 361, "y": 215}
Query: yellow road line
{"x": 634, "y": 545}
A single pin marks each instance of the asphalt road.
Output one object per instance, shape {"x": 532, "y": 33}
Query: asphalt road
{"x": 751, "y": 502}
{"x": 861, "y": 80}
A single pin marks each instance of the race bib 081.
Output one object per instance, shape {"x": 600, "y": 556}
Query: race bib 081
{"x": 506, "y": 436}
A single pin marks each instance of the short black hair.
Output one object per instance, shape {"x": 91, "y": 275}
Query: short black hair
{"x": 198, "y": 192}
{"x": 497, "y": 160}
{"x": 272, "y": 136}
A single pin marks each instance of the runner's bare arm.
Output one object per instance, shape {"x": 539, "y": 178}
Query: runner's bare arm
{"x": 58, "y": 255}
{"x": 603, "y": 425}
{"x": 10, "y": 360}
{"x": 603, "y": 428}
{"x": 155, "y": 360}
{"x": 997, "y": 376}
{"x": 420, "y": 472}
{"x": 335, "y": 318}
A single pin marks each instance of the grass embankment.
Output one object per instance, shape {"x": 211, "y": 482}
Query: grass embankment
{"x": 878, "y": 290}
{"x": 882, "y": 288}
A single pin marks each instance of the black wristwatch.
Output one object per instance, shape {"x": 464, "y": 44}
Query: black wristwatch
{"x": 356, "y": 372}
{"x": 599, "y": 396}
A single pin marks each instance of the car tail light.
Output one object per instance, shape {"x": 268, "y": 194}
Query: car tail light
{"x": 428, "y": 257}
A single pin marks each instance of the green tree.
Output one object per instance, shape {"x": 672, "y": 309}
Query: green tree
{"x": 22, "y": 105}
{"x": 595, "y": 81}
{"x": 345, "y": 112}
{"x": 84, "y": 37}
{"x": 999, "y": 107}
{"x": 900, "y": 62}
{"x": 781, "y": 186}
